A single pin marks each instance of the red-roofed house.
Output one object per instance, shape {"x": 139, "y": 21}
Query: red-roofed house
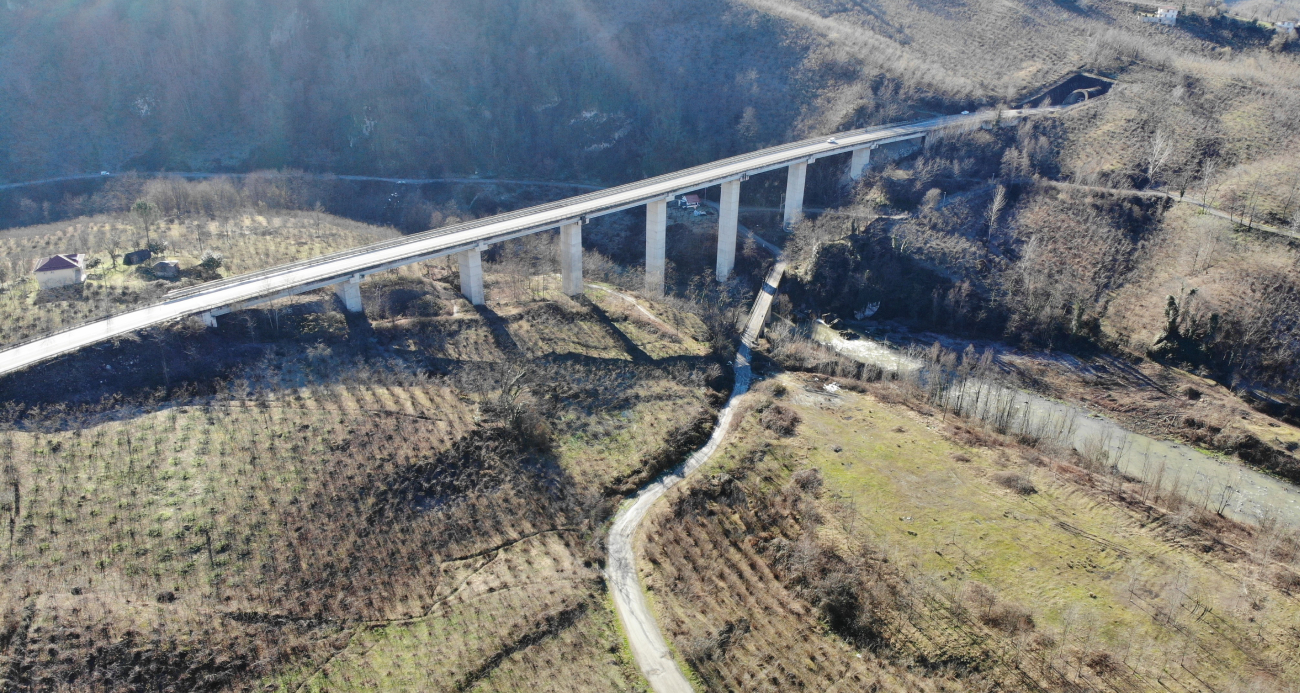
{"x": 61, "y": 270}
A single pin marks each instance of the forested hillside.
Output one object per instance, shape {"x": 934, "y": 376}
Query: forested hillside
{"x": 573, "y": 90}
{"x": 605, "y": 90}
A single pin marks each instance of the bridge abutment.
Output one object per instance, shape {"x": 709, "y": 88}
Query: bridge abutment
{"x": 471, "y": 275}
{"x": 728, "y": 222}
{"x": 349, "y": 292}
{"x": 656, "y": 232}
{"x": 571, "y": 259}
{"x": 794, "y": 185}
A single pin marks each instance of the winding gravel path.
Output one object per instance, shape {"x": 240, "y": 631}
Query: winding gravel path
{"x": 649, "y": 647}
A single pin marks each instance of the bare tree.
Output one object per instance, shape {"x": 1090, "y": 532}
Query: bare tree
{"x": 1159, "y": 149}
{"x": 204, "y": 234}
{"x": 1290, "y": 197}
{"x": 1251, "y": 201}
{"x": 1208, "y": 172}
{"x": 147, "y": 213}
{"x": 996, "y": 206}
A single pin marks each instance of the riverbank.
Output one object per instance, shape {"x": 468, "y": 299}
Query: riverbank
{"x": 997, "y": 394}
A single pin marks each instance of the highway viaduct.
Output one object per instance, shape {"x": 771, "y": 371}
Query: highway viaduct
{"x": 343, "y": 271}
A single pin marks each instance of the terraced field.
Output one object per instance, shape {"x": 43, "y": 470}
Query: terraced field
{"x": 876, "y": 535}
{"x": 421, "y": 515}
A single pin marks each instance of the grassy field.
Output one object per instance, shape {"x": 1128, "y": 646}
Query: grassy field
{"x": 406, "y": 500}
{"x": 879, "y": 543}
{"x": 247, "y": 242}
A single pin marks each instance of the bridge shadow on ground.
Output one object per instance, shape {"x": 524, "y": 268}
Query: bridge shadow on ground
{"x": 500, "y": 331}
{"x": 359, "y": 325}
{"x": 254, "y": 353}
{"x": 636, "y": 352}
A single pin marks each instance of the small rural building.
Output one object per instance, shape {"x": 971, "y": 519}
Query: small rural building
{"x": 167, "y": 269}
{"x": 137, "y": 257}
{"x": 1167, "y": 14}
{"x": 690, "y": 201}
{"x": 61, "y": 270}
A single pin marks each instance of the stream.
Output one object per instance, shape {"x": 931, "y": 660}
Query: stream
{"x": 1217, "y": 482}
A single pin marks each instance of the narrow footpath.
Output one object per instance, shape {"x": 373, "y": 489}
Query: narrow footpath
{"x": 649, "y": 647}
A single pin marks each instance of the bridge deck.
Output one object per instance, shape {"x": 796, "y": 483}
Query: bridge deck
{"x": 322, "y": 271}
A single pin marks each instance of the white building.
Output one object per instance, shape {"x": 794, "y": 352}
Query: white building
{"x": 61, "y": 270}
{"x": 1285, "y": 27}
{"x": 1167, "y": 15}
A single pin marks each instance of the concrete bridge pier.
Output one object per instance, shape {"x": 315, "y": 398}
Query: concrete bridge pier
{"x": 728, "y": 221}
{"x": 349, "y": 292}
{"x": 571, "y": 259}
{"x": 209, "y": 320}
{"x": 471, "y": 274}
{"x": 794, "y": 184}
{"x": 656, "y": 233}
{"x": 861, "y": 160}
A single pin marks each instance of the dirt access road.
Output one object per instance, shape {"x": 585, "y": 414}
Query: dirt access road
{"x": 649, "y": 647}
{"x": 1184, "y": 199}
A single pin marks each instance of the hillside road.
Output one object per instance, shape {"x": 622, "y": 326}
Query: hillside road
{"x": 647, "y": 642}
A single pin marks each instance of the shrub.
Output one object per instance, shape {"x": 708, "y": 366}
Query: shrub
{"x": 1042, "y": 641}
{"x": 1015, "y": 482}
{"x": 780, "y": 420}
{"x": 211, "y": 261}
{"x": 809, "y": 480}
{"x": 1008, "y": 618}
{"x": 1286, "y": 580}
{"x": 1102, "y": 662}
{"x": 1192, "y": 393}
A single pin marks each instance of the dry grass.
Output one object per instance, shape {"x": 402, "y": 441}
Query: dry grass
{"x": 340, "y": 514}
{"x": 1269, "y": 10}
{"x": 248, "y": 242}
{"x": 1225, "y": 99}
{"x": 1226, "y": 113}
{"x": 1210, "y": 268}
{"x": 504, "y": 618}
{"x": 989, "y": 51}
{"x": 1065, "y": 586}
